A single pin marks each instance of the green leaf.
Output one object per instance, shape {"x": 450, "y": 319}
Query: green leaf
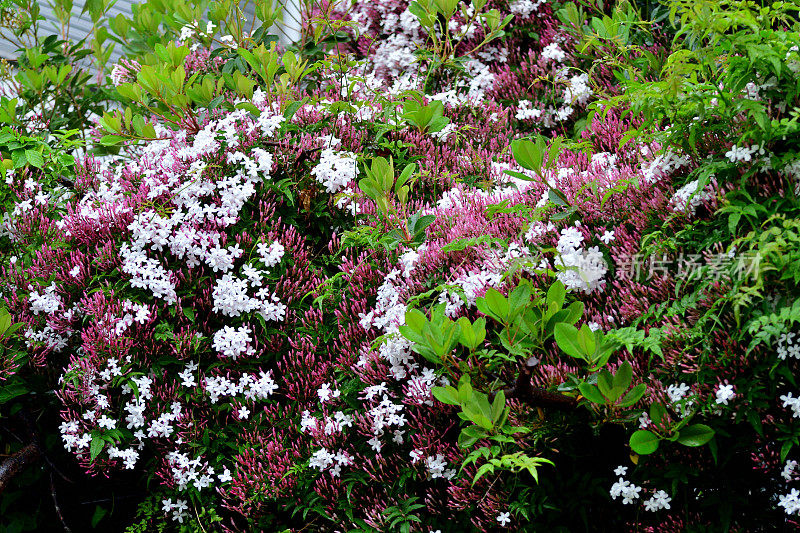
{"x": 110, "y": 140}
{"x": 421, "y": 223}
{"x": 586, "y": 339}
{"x": 405, "y": 175}
{"x": 470, "y": 435}
{"x": 5, "y": 321}
{"x": 487, "y": 468}
{"x": 99, "y": 513}
{"x": 479, "y": 329}
{"x": 451, "y": 331}
{"x": 34, "y": 158}
{"x": 634, "y": 395}
{"x": 149, "y": 131}
{"x": 498, "y": 406}
{"x": 518, "y": 300}
{"x": 564, "y": 214}
{"x": 644, "y": 442}
{"x": 556, "y": 294}
{"x": 292, "y": 108}
{"x": 657, "y": 413}
{"x": 519, "y": 175}
{"x": 9, "y": 391}
{"x": 96, "y": 446}
{"x": 247, "y": 106}
{"x": 566, "y": 336}
{"x": 785, "y": 449}
{"x": 370, "y": 187}
{"x": 733, "y": 222}
{"x": 18, "y": 158}
{"x": 497, "y": 303}
{"x": 14, "y": 327}
{"x": 464, "y": 389}
{"x": 755, "y": 420}
{"x": 575, "y": 312}
{"x": 623, "y": 377}
{"x": 416, "y": 319}
{"x": 478, "y": 418}
{"x": 188, "y": 313}
{"x": 557, "y": 198}
{"x": 605, "y": 382}
{"x": 448, "y": 395}
{"x": 529, "y": 154}
{"x": 695, "y": 435}
{"x": 591, "y": 393}
{"x": 467, "y": 335}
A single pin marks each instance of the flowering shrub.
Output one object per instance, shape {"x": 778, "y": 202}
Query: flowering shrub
{"x": 441, "y": 265}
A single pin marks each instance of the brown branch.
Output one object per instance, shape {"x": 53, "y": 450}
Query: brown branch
{"x": 536, "y": 396}
{"x": 14, "y": 464}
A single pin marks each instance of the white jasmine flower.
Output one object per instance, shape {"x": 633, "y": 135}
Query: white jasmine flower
{"x": 553, "y": 52}
{"x": 677, "y": 392}
{"x": 335, "y": 170}
{"x": 325, "y": 393}
{"x": 225, "y": 476}
{"x": 271, "y": 254}
{"x": 607, "y": 237}
{"x": 659, "y": 500}
{"x": 724, "y": 393}
{"x": 788, "y": 470}
{"x": 106, "y": 422}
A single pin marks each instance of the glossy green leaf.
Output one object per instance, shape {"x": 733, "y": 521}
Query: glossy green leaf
{"x": 96, "y": 446}
{"x": 566, "y": 336}
{"x": 448, "y": 395}
{"x": 695, "y": 435}
{"x": 591, "y": 393}
{"x": 658, "y": 413}
{"x": 556, "y": 294}
{"x": 644, "y": 442}
{"x": 623, "y": 376}
{"x": 498, "y": 406}
{"x": 528, "y": 154}
{"x": 633, "y": 395}
{"x": 605, "y": 382}
{"x": 586, "y": 340}
{"x": 5, "y": 321}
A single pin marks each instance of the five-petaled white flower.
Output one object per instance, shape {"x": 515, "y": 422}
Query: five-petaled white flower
{"x": 225, "y": 476}
{"x": 725, "y": 393}
{"x": 504, "y": 518}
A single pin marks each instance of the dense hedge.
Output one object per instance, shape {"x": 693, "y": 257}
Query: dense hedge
{"x": 438, "y": 265}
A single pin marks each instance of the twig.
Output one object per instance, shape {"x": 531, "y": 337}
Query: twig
{"x": 105, "y": 500}
{"x": 55, "y": 469}
{"x": 55, "y": 504}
